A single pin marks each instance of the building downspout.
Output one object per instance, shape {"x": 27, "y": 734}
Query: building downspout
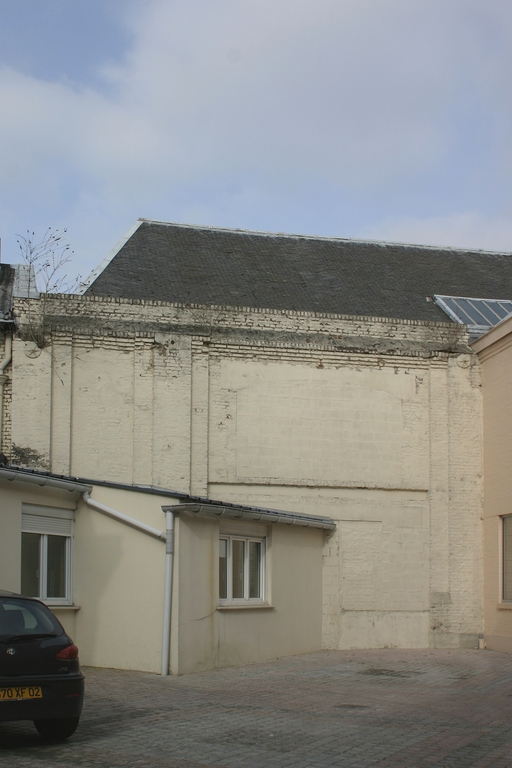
{"x": 131, "y": 521}
{"x": 169, "y": 552}
{"x": 3, "y": 379}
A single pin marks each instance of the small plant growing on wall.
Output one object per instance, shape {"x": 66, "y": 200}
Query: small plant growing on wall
{"x": 46, "y": 259}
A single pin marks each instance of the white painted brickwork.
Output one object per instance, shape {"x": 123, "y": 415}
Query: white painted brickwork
{"x": 375, "y": 423}
{"x": 6, "y": 405}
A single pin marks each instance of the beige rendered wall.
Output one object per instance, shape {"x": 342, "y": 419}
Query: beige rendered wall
{"x": 376, "y": 423}
{"x": 495, "y": 352}
{"x": 119, "y": 581}
{"x": 117, "y": 572}
{"x": 10, "y": 537}
{"x": 208, "y": 636}
{"x": 375, "y": 565}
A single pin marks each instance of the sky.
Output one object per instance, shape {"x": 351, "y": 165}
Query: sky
{"x": 375, "y": 119}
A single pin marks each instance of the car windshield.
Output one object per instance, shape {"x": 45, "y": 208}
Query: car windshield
{"x": 25, "y": 618}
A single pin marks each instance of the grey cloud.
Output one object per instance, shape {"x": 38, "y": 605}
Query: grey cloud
{"x": 365, "y": 99}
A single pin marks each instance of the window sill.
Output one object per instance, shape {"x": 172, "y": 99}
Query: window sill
{"x": 241, "y": 607}
{"x": 62, "y": 607}
{"x": 504, "y": 606}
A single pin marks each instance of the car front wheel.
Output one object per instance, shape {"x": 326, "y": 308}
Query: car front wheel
{"x": 57, "y": 729}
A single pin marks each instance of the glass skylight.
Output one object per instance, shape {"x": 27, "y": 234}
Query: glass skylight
{"x": 480, "y": 315}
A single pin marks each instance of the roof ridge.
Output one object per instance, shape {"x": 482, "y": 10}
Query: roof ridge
{"x": 382, "y": 243}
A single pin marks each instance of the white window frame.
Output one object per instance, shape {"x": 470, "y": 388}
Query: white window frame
{"x": 45, "y": 522}
{"x": 246, "y": 600}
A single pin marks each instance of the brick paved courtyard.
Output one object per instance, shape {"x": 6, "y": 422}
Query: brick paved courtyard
{"x": 333, "y": 708}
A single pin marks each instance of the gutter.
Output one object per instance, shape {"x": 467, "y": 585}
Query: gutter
{"x": 43, "y": 481}
{"x": 255, "y": 515}
{"x": 76, "y": 487}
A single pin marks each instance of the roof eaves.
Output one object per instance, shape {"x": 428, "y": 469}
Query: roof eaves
{"x": 253, "y": 514}
{"x": 18, "y": 474}
{"x": 153, "y": 490}
{"x": 197, "y": 504}
{"x": 497, "y": 333}
{"x": 39, "y": 476}
{"x": 258, "y": 310}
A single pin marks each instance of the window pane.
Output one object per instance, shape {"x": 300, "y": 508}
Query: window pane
{"x": 254, "y": 568}
{"x": 507, "y": 558}
{"x": 238, "y": 548}
{"x": 56, "y": 573}
{"x": 20, "y": 617}
{"x": 223, "y": 568}
{"x": 30, "y": 564}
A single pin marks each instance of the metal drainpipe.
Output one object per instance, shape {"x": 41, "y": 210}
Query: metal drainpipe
{"x": 169, "y": 551}
{"x": 131, "y": 521}
{"x": 3, "y": 379}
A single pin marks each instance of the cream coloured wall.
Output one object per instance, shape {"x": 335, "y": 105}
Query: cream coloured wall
{"x": 381, "y": 446}
{"x": 375, "y": 565}
{"x": 374, "y": 422}
{"x": 10, "y": 538}
{"x": 117, "y": 572}
{"x": 210, "y": 636}
{"x": 495, "y": 353}
{"x": 118, "y": 582}
{"x": 119, "y": 585}
{"x": 332, "y": 426}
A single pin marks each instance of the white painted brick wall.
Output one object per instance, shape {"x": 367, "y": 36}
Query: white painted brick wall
{"x": 376, "y": 423}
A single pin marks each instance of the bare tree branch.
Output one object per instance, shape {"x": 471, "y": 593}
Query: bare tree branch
{"x": 48, "y": 257}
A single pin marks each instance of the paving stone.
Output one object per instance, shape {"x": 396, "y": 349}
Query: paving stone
{"x": 353, "y": 709}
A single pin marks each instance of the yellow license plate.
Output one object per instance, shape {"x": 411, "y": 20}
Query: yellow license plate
{"x": 24, "y": 692}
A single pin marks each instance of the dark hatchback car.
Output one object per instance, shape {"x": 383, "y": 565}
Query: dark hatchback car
{"x": 40, "y": 676}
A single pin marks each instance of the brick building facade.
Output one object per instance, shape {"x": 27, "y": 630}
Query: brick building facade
{"x": 373, "y": 422}
{"x": 310, "y": 375}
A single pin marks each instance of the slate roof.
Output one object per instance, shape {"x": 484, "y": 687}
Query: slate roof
{"x": 203, "y": 265}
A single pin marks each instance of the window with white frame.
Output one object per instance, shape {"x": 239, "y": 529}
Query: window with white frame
{"x": 241, "y": 569}
{"x": 46, "y": 535}
{"x": 507, "y": 558}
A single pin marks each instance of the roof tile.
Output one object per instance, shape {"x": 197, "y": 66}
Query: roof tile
{"x": 202, "y": 265}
